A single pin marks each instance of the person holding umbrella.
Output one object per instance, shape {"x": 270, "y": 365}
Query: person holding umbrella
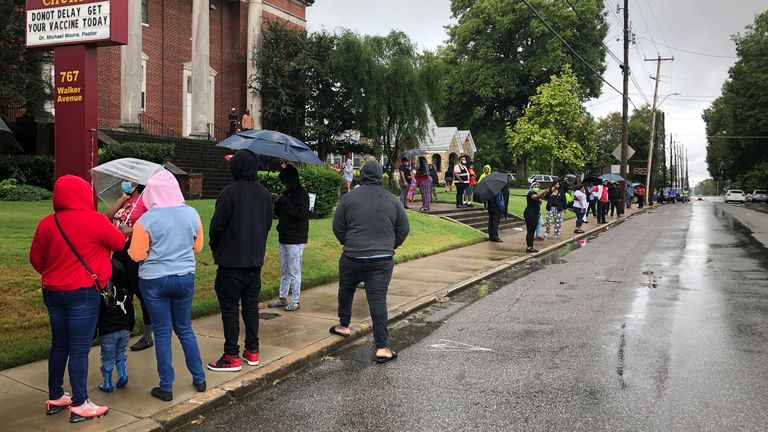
{"x": 124, "y": 213}
{"x": 493, "y": 192}
{"x": 292, "y": 211}
{"x": 405, "y": 180}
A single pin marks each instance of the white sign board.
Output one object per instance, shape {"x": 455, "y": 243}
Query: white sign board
{"x": 312, "y": 200}
{"x": 83, "y": 23}
{"x": 617, "y": 153}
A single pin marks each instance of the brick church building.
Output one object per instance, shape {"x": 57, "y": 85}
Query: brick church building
{"x": 187, "y": 64}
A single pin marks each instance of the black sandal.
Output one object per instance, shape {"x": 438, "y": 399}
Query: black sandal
{"x": 382, "y": 360}
{"x": 338, "y": 333}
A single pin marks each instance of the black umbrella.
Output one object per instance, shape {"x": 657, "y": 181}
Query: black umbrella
{"x": 271, "y": 143}
{"x": 491, "y": 185}
{"x": 413, "y": 153}
{"x": 592, "y": 180}
{"x": 7, "y": 138}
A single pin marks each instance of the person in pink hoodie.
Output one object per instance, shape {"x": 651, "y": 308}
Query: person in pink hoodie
{"x": 165, "y": 241}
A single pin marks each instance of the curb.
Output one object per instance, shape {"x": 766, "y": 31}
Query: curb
{"x": 185, "y": 412}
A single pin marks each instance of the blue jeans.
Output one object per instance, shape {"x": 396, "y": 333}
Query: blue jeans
{"x": 73, "y": 315}
{"x": 579, "y": 217}
{"x": 113, "y": 348}
{"x": 169, "y": 300}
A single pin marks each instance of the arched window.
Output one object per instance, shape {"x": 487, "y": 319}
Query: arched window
{"x": 437, "y": 162}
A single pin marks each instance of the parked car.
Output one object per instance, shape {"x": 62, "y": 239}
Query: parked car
{"x": 544, "y": 180}
{"x": 735, "y": 195}
{"x": 760, "y": 195}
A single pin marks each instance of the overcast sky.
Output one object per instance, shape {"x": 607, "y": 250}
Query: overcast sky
{"x": 701, "y": 26}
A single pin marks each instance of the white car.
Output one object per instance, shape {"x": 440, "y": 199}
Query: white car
{"x": 760, "y": 195}
{"x": 735, "y": 195}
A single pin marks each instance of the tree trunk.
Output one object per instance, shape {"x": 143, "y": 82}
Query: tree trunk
{"x": 522, "y": 168}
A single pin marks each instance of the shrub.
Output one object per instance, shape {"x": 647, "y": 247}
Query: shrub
{"x": 11, "y": 190}
{"x": 324, "y": 182}
{"x": 30, "y": 170}
{"x": 154, "y": 152}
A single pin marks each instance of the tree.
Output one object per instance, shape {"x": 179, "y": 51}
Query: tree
{"x": 555, "y": 129}
{"x": 387, "y": 90}
{"x": 607, "y": 138}
{"x": 742, "y": 110}
{"x": 500, "y": 52}
{"x": 22, "y": 80}
{"x": 282, "y": 63}
{"x": 330, "y": 113}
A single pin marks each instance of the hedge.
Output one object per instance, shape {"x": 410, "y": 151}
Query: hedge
{"x": 11, "y": 190}
{"x": 153, "y": 152}
{"x": 30, "y": 170}
{"x": 324, "y": 182}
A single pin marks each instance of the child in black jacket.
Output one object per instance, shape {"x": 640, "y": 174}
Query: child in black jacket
{"x": 114, "y": 332}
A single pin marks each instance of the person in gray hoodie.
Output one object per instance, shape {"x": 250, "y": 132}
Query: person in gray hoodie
{"x": 370, "y": 223}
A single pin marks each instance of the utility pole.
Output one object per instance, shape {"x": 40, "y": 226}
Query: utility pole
{"x": 657, "y": 78}
{"x": 687, "y": 184}
{"x": 671, "y": 161}
{"x": 664, "y": 164}
{"x": 625, "y": 109}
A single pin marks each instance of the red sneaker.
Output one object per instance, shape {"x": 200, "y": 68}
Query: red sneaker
{"x": 252, "y": 358}
{"x": 226, "y": 363}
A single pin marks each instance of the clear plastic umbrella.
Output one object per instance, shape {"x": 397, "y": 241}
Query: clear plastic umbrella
{"x": 108, "y": 176}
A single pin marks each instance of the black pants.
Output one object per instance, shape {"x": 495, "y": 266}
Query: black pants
{"x": 131, "y": 270}
{"x": 460, "y": 187}
{"x": 615, "y": 205}
{"x": 376, "y": 274}
{"x": 593, "y": 208}
{"x": 233, "y": 285}
{"x": 602, "y": 210}
{"x": 640, "y": 201}
{"x": 531, "y": 222}
{"x": 494, "y": 219}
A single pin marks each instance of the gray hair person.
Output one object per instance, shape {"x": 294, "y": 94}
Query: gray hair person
{"x": 370, "y": 223}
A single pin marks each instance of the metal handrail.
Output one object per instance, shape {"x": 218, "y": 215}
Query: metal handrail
{"x": 151, "y": 126}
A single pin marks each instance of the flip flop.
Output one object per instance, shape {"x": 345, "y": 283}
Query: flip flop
{"x": 382, "y": 360}
{"x": 336, "y": 332}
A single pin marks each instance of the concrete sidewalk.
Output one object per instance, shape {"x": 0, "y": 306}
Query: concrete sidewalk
{"x": 289, "y": 341}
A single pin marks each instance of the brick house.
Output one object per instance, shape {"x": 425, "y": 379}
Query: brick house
{"x": 187, "y": 64}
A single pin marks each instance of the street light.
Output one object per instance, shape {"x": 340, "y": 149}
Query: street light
{"x": 648, "y": 185}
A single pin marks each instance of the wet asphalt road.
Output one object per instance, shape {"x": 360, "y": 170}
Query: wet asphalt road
{"x": 657, "y": 324}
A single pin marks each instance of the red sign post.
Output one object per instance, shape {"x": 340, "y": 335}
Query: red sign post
{"x": 76, "y": 28}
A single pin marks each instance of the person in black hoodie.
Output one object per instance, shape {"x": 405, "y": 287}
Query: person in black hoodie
{"x": 114, "y": 330}
{"x": 238, "y": 241}
{"x": 370, "y": 223}
{"x": 292, "y": 210}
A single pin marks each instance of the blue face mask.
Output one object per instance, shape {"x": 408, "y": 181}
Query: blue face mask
{"x": 127, "y": 187}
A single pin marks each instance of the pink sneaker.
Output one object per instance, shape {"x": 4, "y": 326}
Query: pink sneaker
{"x": 86, "y": 411}
{"x": 54, "y": 406}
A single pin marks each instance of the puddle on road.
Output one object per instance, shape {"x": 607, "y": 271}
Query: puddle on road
{"x": 421, "y": 324}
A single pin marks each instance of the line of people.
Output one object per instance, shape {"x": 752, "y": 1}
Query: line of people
{"x": 157, "y": 231}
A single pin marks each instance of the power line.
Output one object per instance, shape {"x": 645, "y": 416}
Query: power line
{"x": 551, "y": 29}
{"x": 653, "y": 15}
{"x": 589, "y": 26}
{"x": 640, "y": 89}
{"x": 610, "y": 8}
{"x": 690, "y": 51}
{"x": 647, "y": 27}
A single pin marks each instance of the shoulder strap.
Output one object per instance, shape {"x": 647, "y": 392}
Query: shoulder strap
{"x": 77, "y": 255}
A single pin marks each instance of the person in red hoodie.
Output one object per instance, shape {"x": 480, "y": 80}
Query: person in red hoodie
{"x": 69, "y": 291}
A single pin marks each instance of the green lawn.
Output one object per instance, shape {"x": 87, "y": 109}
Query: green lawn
{"x": 24, "y": 331}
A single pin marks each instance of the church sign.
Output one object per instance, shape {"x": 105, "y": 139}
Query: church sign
{"x": 67, "y": 22}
